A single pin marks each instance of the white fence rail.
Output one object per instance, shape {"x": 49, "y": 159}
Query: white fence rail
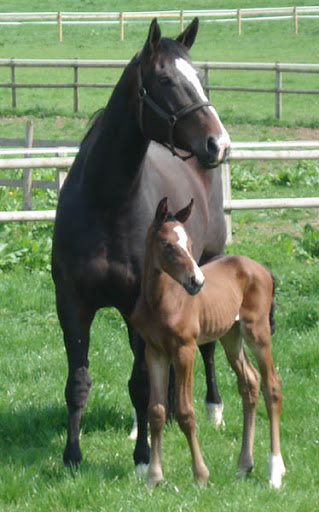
{"x": 121, "y": 18}
{"x": 283, "y": 150}
{"x": 76, "y": 64}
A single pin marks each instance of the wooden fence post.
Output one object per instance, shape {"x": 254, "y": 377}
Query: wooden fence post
{"x": 13, "y": 84}
{"x": 61, "y": 174}
{"x": 278, "y": 93}
{"x": 226, "y": 181}
{"x": 296, "y": 19}
{"x": 122, "y": 26}
{"x": 239, "y": 21}
{"x": 27, "y": 173}
{"x": 206, "y": 82}
{"x": 182, "y": 20}
{"x": 76, "y": 88}
{"x": 60, "y": 26}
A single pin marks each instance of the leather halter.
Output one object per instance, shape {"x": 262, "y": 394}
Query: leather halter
{"x": 171, "y": 119}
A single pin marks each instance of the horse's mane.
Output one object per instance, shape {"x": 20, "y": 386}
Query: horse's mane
{"x": 93, "y": 121}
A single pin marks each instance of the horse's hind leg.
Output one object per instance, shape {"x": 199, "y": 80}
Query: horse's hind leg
{"x": 158, "y": 366}
{"x": 184, "y": 363}
{"x": 247, "y": 380}
{"x": 260, "y": 344}
{"x": 213, "y": 402}
{"x": 139, "y": 392}
{"x": 75, "y": 322}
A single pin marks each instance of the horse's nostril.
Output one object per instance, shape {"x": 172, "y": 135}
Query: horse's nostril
{"x": 212, "y": 147}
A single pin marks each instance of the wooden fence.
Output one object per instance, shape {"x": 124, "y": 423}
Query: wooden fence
{"x": 285, "y": 150}
{"x": 121, "y": 18}
{"x": 76, "y": 64}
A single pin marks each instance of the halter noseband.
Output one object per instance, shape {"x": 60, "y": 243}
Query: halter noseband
{"x": 171, "y": 119}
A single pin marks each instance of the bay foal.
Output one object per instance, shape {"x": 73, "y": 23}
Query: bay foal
{"x": 173, "y": 319}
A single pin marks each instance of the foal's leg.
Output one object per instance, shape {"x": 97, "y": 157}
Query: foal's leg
{"x": 158, "y": 367}
{"x": 184, "y": 363}
{"x": 260, "y": 344}
{"x": 139, "y": 393}
{"x": 213, "y": 402}
{"x": 247, "y": 380}
{"x": 75, "y": 322}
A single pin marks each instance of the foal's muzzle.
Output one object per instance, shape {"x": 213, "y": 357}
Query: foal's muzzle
{"x": 193, "y": 286}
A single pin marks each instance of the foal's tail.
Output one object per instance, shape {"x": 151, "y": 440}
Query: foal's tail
{"x": 272, "y": 307}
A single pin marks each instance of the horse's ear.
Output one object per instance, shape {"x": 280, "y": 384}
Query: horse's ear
{"x": 154, "y": 36}
{"x": 188, "y": 37}
{"x": 161, "y": 211}
{"x": 184, "y": 213}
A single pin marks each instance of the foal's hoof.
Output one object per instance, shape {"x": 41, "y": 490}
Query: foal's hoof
{"x": 215, "y": 414}
{"x": 202, "y": 476}
{"x": 242, "y": 472}
{"x": 153, "y": 479}
{"x": 276, "y": 470}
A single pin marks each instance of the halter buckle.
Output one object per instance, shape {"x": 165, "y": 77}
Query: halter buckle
{"x": 142, "y": 93}
{"x": 172, "y": 120}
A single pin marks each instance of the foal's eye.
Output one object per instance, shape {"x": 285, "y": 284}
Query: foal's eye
{"x": 165, "y": 81}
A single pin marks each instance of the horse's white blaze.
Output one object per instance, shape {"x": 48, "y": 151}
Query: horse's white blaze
{"x": 276, "y": 470}
{"x": 182, "y": 242}
{"x": 191, "y": 74}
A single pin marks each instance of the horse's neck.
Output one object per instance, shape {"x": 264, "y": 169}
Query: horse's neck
{"x": 115, "y": 146}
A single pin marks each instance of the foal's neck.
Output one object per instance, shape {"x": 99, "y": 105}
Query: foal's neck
{"x": 159, "y": 290}
{"x": 115, "y": 147}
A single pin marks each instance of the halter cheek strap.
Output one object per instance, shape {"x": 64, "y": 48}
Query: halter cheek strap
{"x": 171, "y": 119}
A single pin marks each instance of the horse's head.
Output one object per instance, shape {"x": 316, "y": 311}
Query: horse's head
{"x": 173, "y": 108}
{"x": 172, "y": 247}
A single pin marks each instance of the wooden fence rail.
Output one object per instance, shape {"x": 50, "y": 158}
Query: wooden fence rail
{"x": 76, "y": 64}
{"x": 121, "y": 18}
{"x": 240, "y": 151}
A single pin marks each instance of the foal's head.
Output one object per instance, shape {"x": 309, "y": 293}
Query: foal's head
{"x": 173, "y": 108}
{"x": 172, "y": 247}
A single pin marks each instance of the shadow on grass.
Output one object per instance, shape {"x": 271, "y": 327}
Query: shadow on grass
{"x": 33, "y": 430}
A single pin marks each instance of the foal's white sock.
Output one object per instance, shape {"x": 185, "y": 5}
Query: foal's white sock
{"x": 276, "y": 469}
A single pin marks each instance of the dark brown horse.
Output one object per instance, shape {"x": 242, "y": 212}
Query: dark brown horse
{"x": 107, "y": 203}
{"x": 182, "y": 305}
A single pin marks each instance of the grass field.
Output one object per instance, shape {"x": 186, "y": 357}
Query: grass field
{"x": 33, "y": 363}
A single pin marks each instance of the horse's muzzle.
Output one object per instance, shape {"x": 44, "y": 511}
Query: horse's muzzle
{"x": 215, "y": 152}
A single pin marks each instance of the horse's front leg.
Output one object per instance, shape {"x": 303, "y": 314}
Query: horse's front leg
{"x": 158, "y": 367}
{"x": 139, "y": 393}
{"x": 213, "y": 402}
{"x": 75, "y": 321}
{"x": 184, "y": 363}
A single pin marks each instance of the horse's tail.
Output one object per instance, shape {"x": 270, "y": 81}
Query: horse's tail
{"x": 272, "y": 306}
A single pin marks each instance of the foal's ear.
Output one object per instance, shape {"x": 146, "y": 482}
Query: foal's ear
{"x": 154, "y": 36}
{"x": 188, "y": 37}
{"x": 184, "y": 213}
{"x": 161, "y": 212}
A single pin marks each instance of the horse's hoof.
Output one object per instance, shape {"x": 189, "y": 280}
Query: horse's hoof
{"x": 72, "y": 456}
{"x": 215, "y": 414}
{"x": 141, "y": 469}
{"x": 276, "y": 470}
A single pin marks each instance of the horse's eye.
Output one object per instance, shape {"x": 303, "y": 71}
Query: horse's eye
{"x": 165, "y": 81}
